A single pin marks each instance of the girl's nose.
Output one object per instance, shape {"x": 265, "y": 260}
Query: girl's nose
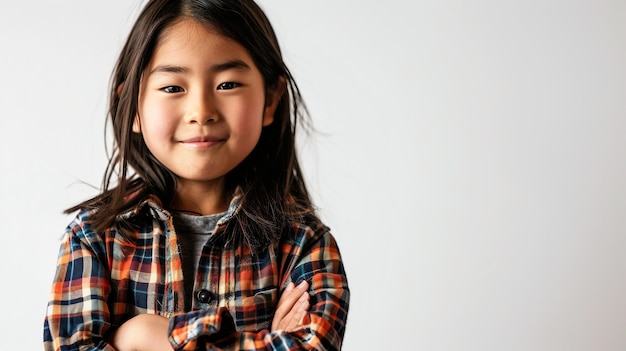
{"x": 201, "y": 119}
{"x": 201, "y": 111}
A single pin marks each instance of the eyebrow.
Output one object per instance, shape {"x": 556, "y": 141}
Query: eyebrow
{"x": 216, "y": 68}
{"x": 233, "y": 64}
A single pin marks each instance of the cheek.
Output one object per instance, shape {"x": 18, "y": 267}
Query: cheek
{"x": 249, "y": 121}
{"x": 155, "y": 125}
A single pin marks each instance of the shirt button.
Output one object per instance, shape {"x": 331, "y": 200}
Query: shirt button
{"x": 204, "y": 296}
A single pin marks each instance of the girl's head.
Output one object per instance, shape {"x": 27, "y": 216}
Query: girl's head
{"x": 267, "y": 171}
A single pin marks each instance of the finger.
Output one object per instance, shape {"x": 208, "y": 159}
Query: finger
{"x": 302, "y": 287}
{"x": 293, "y": 319}
{"x": 297, "y": 313}
{"x": 286, "y": 304}
{"x": 290, "y": 296}
{"x": 287, "y": 298}
{"x": 283, "y": 306}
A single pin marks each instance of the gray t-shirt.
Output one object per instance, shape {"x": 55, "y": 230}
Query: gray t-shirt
{"x": 193, "y": 232}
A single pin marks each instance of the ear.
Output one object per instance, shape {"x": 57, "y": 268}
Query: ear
{"x": 119, "y": 89}
{"x": 137, "y": 125}
{"x": 272, "y": 98}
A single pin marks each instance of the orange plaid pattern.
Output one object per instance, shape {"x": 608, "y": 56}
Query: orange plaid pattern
{"x": 104, "y": 279}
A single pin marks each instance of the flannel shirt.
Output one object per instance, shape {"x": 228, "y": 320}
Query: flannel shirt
{"x": 103, "y": 279}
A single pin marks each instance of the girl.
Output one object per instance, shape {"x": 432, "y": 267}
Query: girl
{"x": 208, "y": 238}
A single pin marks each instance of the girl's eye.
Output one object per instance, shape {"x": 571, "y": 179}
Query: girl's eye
{"x": 228, "y": 85}
{"x": 172, "y": 89}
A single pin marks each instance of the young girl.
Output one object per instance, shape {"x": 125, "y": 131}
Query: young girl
{"x": 204, "y": 236}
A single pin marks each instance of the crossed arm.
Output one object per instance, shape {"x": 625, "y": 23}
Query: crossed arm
{"x": 148, "y": 332}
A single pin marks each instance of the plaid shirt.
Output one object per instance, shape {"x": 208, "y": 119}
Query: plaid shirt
{"x": 102, "y": 280}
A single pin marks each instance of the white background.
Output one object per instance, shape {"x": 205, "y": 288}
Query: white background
{"x": 470, "y": 161}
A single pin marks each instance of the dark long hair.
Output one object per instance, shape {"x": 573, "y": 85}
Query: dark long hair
{"x": 270, "y": 178}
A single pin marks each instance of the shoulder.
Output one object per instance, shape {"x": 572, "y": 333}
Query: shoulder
{"x": 81, "y": 239}
{"x": 313, "y": 255}
{"x": 81, "y": 224}
{"x": 309, "y": 233}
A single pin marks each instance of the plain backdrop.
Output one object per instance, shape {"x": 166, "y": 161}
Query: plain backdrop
{"x": 470, "y": 160}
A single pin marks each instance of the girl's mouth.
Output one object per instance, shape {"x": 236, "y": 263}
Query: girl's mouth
{"x": 202, "y": 142}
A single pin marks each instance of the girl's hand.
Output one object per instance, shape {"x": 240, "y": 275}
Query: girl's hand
{"x": 292, "y": 307}
{"x": 144, "y": 332}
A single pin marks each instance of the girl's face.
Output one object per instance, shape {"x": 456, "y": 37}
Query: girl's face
{"x": 202, "y": 104}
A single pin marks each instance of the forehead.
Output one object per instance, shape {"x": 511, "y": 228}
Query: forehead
{"x": 188, "y": 40}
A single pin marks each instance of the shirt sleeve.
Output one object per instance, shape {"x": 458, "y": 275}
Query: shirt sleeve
{"x": 313, "y": 258}
{"x": 77, "y": 313}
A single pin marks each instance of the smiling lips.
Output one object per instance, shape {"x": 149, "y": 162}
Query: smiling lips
{"x": 202, "y": 142}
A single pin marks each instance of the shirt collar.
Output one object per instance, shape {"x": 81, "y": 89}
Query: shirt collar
{"x": 153, "y": 206}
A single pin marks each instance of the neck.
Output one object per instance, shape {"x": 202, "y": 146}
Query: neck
{"x": 200, "y": 198}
